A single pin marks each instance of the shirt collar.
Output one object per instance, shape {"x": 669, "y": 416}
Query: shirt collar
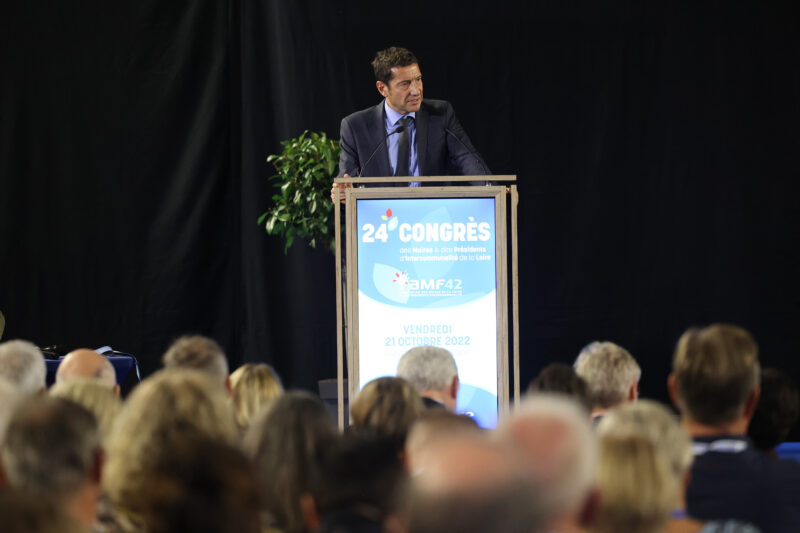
{"x": 393, "y": 116}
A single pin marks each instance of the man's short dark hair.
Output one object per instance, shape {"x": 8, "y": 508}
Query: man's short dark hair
{"x": 777, "y": 410}
{"x": 560, "y": 378}
{"x": 51, "y": 447}
{"x": 359, "y": 471}
{"x": 199, "y": 353}
{"x": 716, "y": 368}
{"x": 393, "y": 56}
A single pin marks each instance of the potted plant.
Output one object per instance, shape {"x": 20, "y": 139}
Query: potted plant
{"x": 302, "y": 207}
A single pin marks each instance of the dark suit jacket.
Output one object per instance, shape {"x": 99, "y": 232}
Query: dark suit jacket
{"x": 438, "y": 153}
{"x": 748, "y": 486}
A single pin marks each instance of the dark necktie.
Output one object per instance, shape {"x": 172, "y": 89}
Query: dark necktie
{"x": 403, "y": 149}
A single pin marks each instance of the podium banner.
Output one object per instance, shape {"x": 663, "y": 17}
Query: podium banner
{"x": 427, "y": 275}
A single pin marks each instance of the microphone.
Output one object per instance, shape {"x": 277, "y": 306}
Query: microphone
{"x": 471, "y": 152}
{"x": 382, "y": 142}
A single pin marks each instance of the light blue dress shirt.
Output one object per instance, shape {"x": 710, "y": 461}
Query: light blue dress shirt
{"x": 392, "y": 118}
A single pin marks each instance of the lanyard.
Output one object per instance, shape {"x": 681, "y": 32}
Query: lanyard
{"x": 719, "y": 446}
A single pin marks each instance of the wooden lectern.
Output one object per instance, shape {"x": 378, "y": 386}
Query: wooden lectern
{"x": 429, "y": 252}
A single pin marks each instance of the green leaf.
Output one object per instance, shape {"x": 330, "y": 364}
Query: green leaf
{"x": 305, "y": 170}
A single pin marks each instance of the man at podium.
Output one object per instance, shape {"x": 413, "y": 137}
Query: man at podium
{"x": 404, "y": 135}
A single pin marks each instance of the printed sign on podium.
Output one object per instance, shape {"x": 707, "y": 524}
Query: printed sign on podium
{"x": 426, "y": 266}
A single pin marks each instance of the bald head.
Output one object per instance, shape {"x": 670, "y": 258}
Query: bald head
{"x": 464, "y": 464}
{"x": 85, "y": 363}
{"x": 555, "y": 438}
{"x": 470, "y": 484}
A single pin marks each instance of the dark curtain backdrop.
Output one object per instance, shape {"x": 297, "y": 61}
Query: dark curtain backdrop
{"x": 655, "y": 144}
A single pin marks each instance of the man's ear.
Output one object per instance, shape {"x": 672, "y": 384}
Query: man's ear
{"x": 587, "y": 515}
{"x": 116, "y": 389}
{"x": 454, "y": 385}
{"x": 633, "y": 392}
{"x": 228, "y": 386}
{"x": 309, "y": 510}
{"x": 382, "y": 88}
{"x": 98, "y": 462}
{"x": 751, "y": 403}
{"x": 672, "y": 388}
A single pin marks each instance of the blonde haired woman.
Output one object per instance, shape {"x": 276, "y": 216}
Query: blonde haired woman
{"x": 161, "y": 413}
{"x": 253, "y": 387}
{"x": 388, "y": 407}
{"x": 93, "y": 396}
{"x": 643, "y": 467}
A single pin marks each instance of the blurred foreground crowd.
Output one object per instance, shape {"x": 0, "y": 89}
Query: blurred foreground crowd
{"x": 196, "y": 449}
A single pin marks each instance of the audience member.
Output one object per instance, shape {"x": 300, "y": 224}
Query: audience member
{"x": 555, "y": 439}
{"x": 611, "y": 373}
{"x": 253, "y": 386}
{"x": 715, "y": 384}
{"x": 285, "y": 443}
{"x": 22, "y": 364}
{"x": 357, "y": 487}
{"x": 468, "y": 485}
{"x": 388, "y": 406}
{"x": 644, "y": 490}
{"x": 159, "y": 413}
{"x": 434, "y": 425}
{"x": 559, "y": 378}
{"x": 198, "y": 353}
{"x": 637, "y": 491}
{"x": 25, "y": 512}
{"x": 85, "y": 363}
{"x": 52, "y": 448}
{"x": 10, "y": 399}
{"x": 776, "y": 412}
{"x": 433, "y": 373}
{"x": 94, "y": 396}
{"x": 199, "y": 485}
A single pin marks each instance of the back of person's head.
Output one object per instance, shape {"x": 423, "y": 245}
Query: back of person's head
{"x": 160, "y": 411}
{"x": 554, "y": 436}
{"x": 637, "y": 489}
{"x": 22, "y": 364}
{"x": 52, "y": 447}
{"x": 651, "y": 420}
{"x": 427, "y": 368}
{"x": 714, "y": 371}
{"x": 253, "y": 386}
{"x": 94, "y": 396}
{"x": 84, "y": 363}
{"x": 199, "y": 353}
{"x": 389, "y": 58}
{"x": 285, "y": 441}
{"x": 387, "y": 405}
{"x": 470, "y": 485}
{"x": 361, "y": 474}
{"x": 610, "y": 371}
{"x": 10, "y": 399}
{"x": 434, "y": 425}
{"x": 197, "y": 484}
{"x": 776, "y": 412}
{"x": 560, "y": 378}
{"x": 32, "y": 512}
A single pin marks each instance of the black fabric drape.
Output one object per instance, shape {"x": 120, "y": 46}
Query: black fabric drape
{"x": 655, "y": 145}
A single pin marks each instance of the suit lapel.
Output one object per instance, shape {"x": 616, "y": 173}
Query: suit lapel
{"x": 378, "y": 131}
{"x": 422, "y": 140}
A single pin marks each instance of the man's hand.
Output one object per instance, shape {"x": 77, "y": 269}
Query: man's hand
{"x": 337, "y": 191}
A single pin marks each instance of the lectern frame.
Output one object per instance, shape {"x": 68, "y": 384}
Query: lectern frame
{"x": 443, "y": 187}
